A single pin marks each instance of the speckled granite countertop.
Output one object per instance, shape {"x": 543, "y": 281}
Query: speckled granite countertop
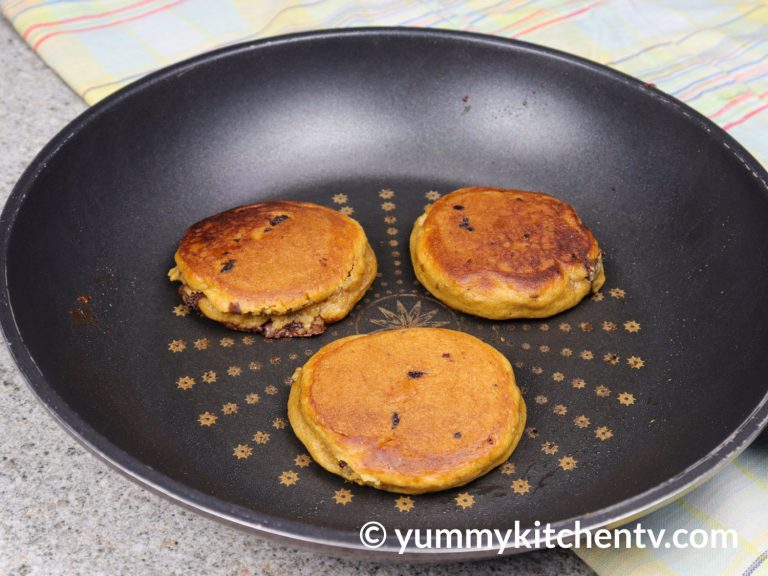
{"x": 64, "y": 512}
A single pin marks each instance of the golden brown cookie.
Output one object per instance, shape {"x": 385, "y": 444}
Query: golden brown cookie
{"x": 505, "y": 254}
{"x": 412, "y": 410}
{"x": 279, "y": 268}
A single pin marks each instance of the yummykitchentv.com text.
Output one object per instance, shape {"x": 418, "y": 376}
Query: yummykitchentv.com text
{"x": 374, "y": 535}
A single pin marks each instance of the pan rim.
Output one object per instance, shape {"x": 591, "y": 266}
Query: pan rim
{"x": 296, "y": 532}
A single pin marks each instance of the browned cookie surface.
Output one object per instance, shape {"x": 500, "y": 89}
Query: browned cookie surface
{"x": 504, "y": 253}
{"x": 280, "y": 268}
{"x": 411, "y": 410}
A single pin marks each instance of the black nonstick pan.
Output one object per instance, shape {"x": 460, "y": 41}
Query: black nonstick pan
{"x": 634, "y": 396}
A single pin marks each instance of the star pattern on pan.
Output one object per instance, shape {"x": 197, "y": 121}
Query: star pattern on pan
{"x": 578, "y": 383}
{"x": 185, "y": 382}
{"x": 521, "y": 486}
{"x": 261, "y": 437}
{"x": 404, "y": 503}
{"x": 549, "y": 448}
{"x": 278, "y": 423}
{"x": 617, "y": 293}
{"x": 584, "y": 335}
{"x": 567, "y": 463}
{"x": 242, "y": 451}
{"x": 343, "y": 496}
{"x": 603, "y": 433}
{"x": 302, "y": 460}
{"x": 177, "y": 345}
{"x": 404, "y": 317}
{"x": 602, "y": 391}
{"x": 626, "y": 399}
{"x": 581, "y": 421}
{"x": 207, "y": 419}
{"x": 464, "y": 500}
{"x": 289, "y": 477}
{"x": 181, "y": 310}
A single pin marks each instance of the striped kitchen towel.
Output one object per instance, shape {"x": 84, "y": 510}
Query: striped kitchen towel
{"x": 735, "y": 499}
{"x": 712, "y": 54}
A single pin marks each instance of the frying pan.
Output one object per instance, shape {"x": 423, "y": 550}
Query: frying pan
{"x": 635, "y": 395}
